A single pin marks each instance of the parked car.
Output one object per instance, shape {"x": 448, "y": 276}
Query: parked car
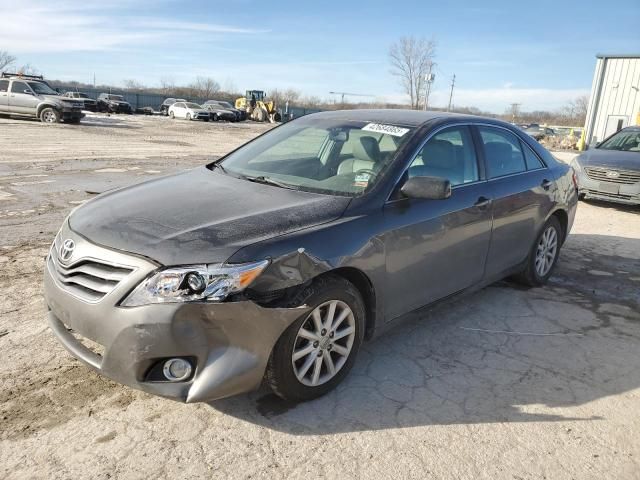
{"x": 31, "y": 96}
{"x": 189, "y": 111}
{"x": 88, "y": 103}
{"x": 218, "y": 112}
{"x": 611, "y": 170}
{"x": 278, "y": 260}
{"x": 539, "y": 133}
{"x": 111, "y": 103}
{"x": 240, "y": 114}
{"x": 164, "y": 106}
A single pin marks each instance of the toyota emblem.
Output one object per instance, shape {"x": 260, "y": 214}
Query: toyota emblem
{"x": 66, "y": 250}
{"x": 612, "y": 174}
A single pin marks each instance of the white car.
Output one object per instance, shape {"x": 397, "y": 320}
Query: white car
{"x": 188, "y": 110}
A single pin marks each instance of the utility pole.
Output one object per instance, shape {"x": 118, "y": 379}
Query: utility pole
{"x": 453, "y": 84}
{"x": 515, "y": 110}
{"x": 429, "y": 79}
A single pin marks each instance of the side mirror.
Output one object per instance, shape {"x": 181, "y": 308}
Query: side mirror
{"x": 28, "y": 92}
{"x": 431, "y": 188}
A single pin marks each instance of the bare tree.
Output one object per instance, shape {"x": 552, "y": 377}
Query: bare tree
{"x": 580, "y": 106}
{"x": 411, "y": 60}
{"x": 6, "y": 60}
{"x": 134, "y": 85}
{"x": 281, "y": 97}
{"x": 205, "y": 87}
{"x": 28, "y": 69}
{"x": 311, "y": 101}
{"x": 167, "y": 85}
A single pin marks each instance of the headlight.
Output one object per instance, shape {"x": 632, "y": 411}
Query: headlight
{"x": 194, "y": 283}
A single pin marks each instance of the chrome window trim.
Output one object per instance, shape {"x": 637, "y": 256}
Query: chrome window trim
{"x": 463, "y": 124}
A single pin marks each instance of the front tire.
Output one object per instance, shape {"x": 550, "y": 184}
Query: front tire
{"x": 544, "y": 255}
{"x": 317, "y": 351}
{"x": 172, "y": 115}
{"x": 49, "y": 115}
{"x": 188, "y": 117}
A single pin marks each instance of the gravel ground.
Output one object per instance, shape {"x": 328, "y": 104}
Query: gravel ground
{"x": 505, "y": 383}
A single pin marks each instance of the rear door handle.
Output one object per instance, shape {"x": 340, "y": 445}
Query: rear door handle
{"x": 482, "y": 202}
{"x": 546, "y": 184}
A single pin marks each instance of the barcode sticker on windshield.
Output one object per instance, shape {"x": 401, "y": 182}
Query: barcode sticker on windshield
{"x": 388, "y": 129}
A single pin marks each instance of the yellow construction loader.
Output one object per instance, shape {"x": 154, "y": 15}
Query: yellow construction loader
{"x": 257, "y": 108}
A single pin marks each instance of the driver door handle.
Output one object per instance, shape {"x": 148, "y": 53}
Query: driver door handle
{"x": 482, "y": 202}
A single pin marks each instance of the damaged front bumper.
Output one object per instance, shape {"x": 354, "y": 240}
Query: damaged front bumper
{"x": 228, "y": 344}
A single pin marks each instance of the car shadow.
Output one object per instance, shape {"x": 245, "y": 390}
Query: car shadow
{"x": 503, "y": 354}
{"x": 612, "y": 205}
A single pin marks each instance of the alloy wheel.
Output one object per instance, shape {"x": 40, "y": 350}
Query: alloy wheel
{"x": 323, "y": 343}
{"x": 49, "y": 117}
{"x": 546, "y": 251}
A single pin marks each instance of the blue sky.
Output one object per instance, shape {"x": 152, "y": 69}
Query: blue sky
{"x": 540, "y": 53}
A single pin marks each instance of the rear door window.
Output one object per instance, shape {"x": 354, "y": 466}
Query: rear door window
{"x": 4, "y": 85}
{"x": 503, "y": 152}
{"x": 448, "y": 154}
{"x": 19, "y": 87}
{"x": 532, "y": 160}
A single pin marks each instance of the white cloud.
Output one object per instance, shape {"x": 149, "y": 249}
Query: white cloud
{"x": 34, "y": 26}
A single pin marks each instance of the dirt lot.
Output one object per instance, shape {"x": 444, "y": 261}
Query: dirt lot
{"x": 506, "y": 383}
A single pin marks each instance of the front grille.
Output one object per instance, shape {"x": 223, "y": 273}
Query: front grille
{"x": 609, "y": 195}
{"x": 87, "y": 278}
{"x": 625, "y": 177}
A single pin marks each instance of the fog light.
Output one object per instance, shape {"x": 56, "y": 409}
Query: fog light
{"x": 176, "y": 369}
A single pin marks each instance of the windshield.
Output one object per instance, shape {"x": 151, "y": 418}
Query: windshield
{"x": 42, "y": 88}
{"x": 326, "y": 156}
{"x": 193, "y": 105}
{"x": 225, "y": 104}
{"x": 625, "y": 141}
{"x": 116, "y": 97}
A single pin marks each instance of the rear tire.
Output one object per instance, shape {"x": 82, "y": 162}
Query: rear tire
{"x": 188, "y": 117}
{"x": 543, "y": 256}
{"x": 49, "y": 115}
{"x": 305, "y": 362}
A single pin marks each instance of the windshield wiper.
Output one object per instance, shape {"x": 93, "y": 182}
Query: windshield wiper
{"x": 268, "y": 181}
{"x": 219, "y": 165}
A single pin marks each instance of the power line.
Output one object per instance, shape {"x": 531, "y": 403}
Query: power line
{"x": 453, "y": 84}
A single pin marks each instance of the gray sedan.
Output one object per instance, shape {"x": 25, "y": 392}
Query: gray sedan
{"x": 611, "y": 171}
{"x": 276, "y": 262}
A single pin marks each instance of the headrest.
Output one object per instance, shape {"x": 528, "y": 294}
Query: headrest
{"x": 498, "y": 151}
{"x": 439, "y": 153}
{"x": 367, "y": 149}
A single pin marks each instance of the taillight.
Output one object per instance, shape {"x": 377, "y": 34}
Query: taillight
{"x": 575, "y": 178}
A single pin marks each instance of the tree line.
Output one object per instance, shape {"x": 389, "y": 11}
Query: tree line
{"x": 410, "y": 58}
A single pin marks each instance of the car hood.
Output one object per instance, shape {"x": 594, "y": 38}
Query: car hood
{"x": 611, "y": 159}
{"x": 200, "y": 216}
{"x": 198, "y": 110}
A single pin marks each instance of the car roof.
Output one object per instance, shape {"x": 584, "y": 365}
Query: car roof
{"x": 413, "y": 118}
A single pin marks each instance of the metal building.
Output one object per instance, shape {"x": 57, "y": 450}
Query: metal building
{"x": 615, "y": 96}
